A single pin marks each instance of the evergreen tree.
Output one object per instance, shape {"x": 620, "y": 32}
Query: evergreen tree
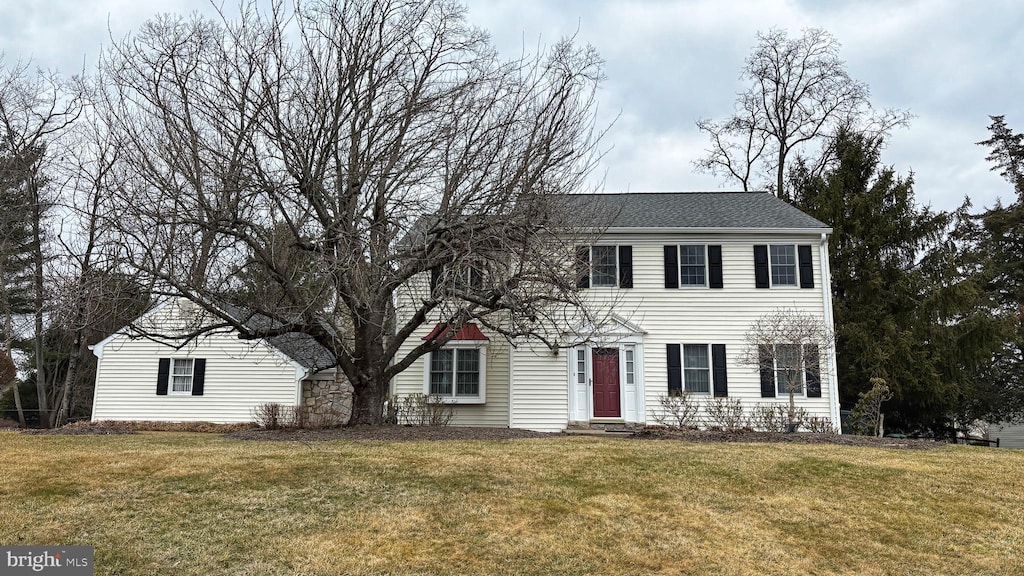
{"x": 906, "y": 307}
{"x": 999, "y": 244}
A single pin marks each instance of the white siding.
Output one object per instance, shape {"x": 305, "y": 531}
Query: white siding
{"x": 1009, "y": 435}
{"x": 705, "y": 315}
{"x": 540, "y": 392}
{"x": 240, "y": 375}
{"x": 540, "y": 386}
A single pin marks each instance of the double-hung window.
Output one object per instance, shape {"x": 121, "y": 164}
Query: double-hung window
{"x": 182, "y": 370}
{"x": 457, "y": 374}
{"x": 605, "y": 269}
{"x": 696, "y": 369}
{"x": 692, "y": 265}
{"x": 783, "y": 264}
{"x": 789, "y": 369}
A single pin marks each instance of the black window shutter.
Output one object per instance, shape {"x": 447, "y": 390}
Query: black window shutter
{"x": 671, "y": 267}
{"x": 761, "y": 267}
{"x": 625, "y": 266}
{"x": 812, "y": 371}
{"x": 163, "y": 373}
{"x": 806, "y": 266}
{"x": 435, "y": 278}
{"x": 675, "y": 370}
{"x": 714, "y": 266}
{"x": 583, "y": 266}
{"x": 767, "y": 371}
{"x": 718, "y": 370}
{"x": 198, "y": 376}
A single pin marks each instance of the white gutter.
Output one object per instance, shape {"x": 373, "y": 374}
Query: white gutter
{"x": 712, "y": 230}
{"x": 826, "y": 300}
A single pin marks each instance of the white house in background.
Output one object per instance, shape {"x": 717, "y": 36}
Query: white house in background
{"x": 215, "y": 378}
{"x": 688, "y": 274}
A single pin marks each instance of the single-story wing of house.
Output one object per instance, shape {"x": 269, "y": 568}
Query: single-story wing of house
{"x": 216, "y": 377}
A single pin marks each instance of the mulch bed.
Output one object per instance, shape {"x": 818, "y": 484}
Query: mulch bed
{"x": 779, "y": 438}
{"x": 390, "y": 434}
{"x": 78, "y": 431}
{"x": 434, "y": 433}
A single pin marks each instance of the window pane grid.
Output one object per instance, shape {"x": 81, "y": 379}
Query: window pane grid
{"x": 181, "y": 375}
{"x": 788, "y": 369}
{"x": 783, "y": 264}
{"x": 696, "y": 369}
{"x": 467, "y": 376}
{"x": 441, "y": 366}
{"x": 581, "y": 367}
{"x": 691, "y": 265}
{"x": 630, "y": 368}
{"x": 605, "y": 269}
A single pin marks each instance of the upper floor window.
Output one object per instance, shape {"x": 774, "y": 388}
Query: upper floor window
{"x": 780, "y": 265}
{"x": 604, "y": 266}
{"x": 783, "y": 264}
{"x": 692, "y": 265}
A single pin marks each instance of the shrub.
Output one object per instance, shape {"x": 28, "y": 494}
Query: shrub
{"x": 819, "y": 425}
{"x": 424, "y": 410}
{"x": 270, "y": 415}
{"x": 727, "y": 414}
{"x": 867, "y": 412}
{"x": 678, "y": 411}
{"x": 770, "y": 417}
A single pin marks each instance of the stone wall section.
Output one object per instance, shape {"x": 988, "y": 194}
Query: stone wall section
{"x": 327, "y": 402}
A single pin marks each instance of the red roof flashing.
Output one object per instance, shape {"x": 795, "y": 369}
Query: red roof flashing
{"x": 467, "y": 332}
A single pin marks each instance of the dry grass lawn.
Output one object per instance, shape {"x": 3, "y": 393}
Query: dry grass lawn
{"x": 200, "y": 504}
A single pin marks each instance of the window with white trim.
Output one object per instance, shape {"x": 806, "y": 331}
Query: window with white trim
{"x": 581, "y": 366}
{"x": 457, "y": 374}
{"x": 182, "y": 371}
{"x": 604, "y": 266}
{"x": 696, "y": 369}
{"x": 789, "y": 369}
{"x": 630, "y": 366}
{"x": 782, "y": 261}
{"x": 693, "y": 265}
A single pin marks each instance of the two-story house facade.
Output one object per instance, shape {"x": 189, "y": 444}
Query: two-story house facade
{"x": 686, "y": 275}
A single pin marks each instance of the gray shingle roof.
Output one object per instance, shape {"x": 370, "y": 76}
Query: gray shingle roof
{"x": 301, "y": 348}
{"x": 693, "y": 210}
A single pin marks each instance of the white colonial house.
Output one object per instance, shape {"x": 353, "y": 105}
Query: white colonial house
{"x": 687, "y": 273}
{"x": 214, "y": 378}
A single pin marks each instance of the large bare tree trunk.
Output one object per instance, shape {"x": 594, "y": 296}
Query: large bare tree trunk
{"x": 38, "y": 288}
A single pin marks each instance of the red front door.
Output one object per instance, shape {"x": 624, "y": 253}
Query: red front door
{"x": 606, "y": 383}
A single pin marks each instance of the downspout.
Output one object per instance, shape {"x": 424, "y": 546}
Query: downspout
{"x": 511, "y": 375}
{"x": 826, "y": 300}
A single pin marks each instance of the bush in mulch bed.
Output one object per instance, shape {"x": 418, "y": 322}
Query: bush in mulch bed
{"x": 122, "y": 427}
{"x": 655, "y": 433}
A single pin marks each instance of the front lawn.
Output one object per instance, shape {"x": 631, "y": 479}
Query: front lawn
{"x": 176, "y": 503}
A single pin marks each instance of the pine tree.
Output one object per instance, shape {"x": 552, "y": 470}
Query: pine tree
{"x": 999, "y": 245}
{"x": 906, "y": 307}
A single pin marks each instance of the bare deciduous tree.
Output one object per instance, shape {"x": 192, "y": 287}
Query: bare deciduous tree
{"x": 378, "y": 140}
{"x": 791, "y": 347}
{"x": 800, "y": 94}
{"x": 35, "y": 109}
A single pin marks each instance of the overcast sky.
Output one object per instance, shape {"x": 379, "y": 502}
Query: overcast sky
{"x": 669, "y": 63}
